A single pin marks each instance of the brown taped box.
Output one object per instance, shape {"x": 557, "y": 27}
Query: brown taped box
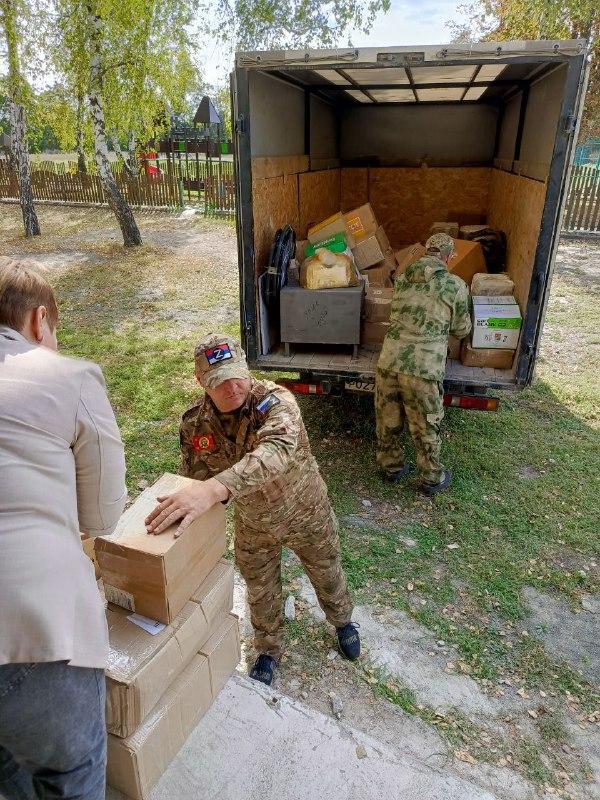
{"x": 454, "y": 347}
{"x": 87, "y": 544}
{"x": 378, "y": 304}
{"x": 468, "y": 261}
{"x": 360, "y": 222}
{"x": 372, "y": 250}
{"x": 135, "y": 764}
{"x": 381, "y": 274}
{"x": 451, "y": 228}
{"x": 486, "y": 357}
{"x": 372, "y": 334}
{"x": 156, "y": 575}
{"x": 407, "y": 256}
{"x": 141, "y": 666}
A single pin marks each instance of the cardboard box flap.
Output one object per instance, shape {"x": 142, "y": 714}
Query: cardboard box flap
{"x": 210, "y": 592}
{"x": 361, "y": 222}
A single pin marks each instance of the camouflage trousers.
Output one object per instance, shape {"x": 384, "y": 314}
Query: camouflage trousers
{"x": 398, "y": 398}
{"x": 312, "y": 533}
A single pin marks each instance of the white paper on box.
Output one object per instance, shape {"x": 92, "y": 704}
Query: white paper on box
{"x": 151, "y": 626}
{"x": 496, "y": 323}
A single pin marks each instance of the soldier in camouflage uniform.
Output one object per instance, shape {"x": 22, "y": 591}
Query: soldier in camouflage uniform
{"x": 245, "y": 440}
{"x": 428, "y": 304}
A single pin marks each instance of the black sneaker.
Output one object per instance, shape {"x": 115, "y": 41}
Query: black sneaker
{"x": 349, "y": 641}
{"x": 396, "y": 477}
{"x": 434, "y": 488}
{"x": 263, "y": 669}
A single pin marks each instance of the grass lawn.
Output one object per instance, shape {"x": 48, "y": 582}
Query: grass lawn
{"x": 525, "y": 503}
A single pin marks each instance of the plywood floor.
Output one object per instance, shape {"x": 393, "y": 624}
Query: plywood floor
{"x": 340, "y": 360}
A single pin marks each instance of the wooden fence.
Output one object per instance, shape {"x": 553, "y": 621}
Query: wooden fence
{"x": 208, "y": 185}
{"x": 157, "y": 191}
{"x": 582, "y": 211}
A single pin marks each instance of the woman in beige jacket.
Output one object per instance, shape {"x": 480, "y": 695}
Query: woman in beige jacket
{"x": 62, "y": 472}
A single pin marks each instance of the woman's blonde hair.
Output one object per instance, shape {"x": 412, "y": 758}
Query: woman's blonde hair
{"x": 22, "y": 289}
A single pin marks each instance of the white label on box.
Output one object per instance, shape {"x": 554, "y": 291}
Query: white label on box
{"x": 119, "y": 597}
{"x": 151, "y": 626}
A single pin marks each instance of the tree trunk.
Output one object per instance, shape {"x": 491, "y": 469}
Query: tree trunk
{"x": 132, "y": 159}
{"x": 81, "y": 165}
{"x": 21, "y": 159}
{"x": 116, "y": 201}
{"x": 18, "y": 122}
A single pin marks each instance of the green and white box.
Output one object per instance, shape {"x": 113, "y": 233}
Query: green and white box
{"x": 496, "y": 322}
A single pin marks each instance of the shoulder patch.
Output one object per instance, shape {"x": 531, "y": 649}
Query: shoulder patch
{"x": 267, "y": 402}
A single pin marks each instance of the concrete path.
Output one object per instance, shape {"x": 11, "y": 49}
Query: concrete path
{"x": 255, "y": 744}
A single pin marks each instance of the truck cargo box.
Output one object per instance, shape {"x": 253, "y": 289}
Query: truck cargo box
{"x": 471, "y": 134}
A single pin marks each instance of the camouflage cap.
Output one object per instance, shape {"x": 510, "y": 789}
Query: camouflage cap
{"x": 219, "y": 358}
{"x": 441, "y": 242}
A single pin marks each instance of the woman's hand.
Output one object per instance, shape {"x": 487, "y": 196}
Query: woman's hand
{"x": 186, "y": 505}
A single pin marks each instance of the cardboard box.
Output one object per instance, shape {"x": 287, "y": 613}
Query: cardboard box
{"x": 381, "y": 274}
{"x": 87, "y": 544}
{"x": 454, "y": 347}
{"x": 486, "y": 357}
{"x": 378, "y": 304}
{"x": 469, "y": 260}
{"x": 451, "y": 228}
{"x": 496, "y": 323}
{"x": 371, "y": 250}
{"x": 136, "y": 763}
{"x": 156, "y": 575}
{"x": 329, "y": 228}
{"x": 407, "y": 256}
{"x": 223, "y": 652}
{"x": 492, "y": 284}
{"x": 373, "y": 334}
{"x": 141, "y": 666}
{"x": 360, "y": 222}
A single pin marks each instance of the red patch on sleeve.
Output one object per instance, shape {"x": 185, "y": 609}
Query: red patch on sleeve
{"x": 205, "y": 443}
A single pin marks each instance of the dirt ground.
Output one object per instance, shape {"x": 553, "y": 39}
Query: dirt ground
{"x": 425, "y": 686}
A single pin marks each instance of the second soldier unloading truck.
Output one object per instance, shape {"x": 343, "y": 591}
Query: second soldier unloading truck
{"x": 245, "y": 441}
{"x": 428, "y": 305}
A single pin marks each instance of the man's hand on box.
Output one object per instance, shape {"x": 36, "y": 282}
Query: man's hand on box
{"x": 186, "y": 505}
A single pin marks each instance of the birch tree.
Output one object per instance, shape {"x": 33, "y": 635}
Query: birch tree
{"x": 17, "y": 92}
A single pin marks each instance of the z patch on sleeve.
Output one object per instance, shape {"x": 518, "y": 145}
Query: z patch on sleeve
{"x": 267, "y": 402}
{"x": 219, "y": 353}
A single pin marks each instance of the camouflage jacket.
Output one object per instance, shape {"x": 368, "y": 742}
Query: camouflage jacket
{"x": 261, "y": 453}
{"x": 428, "y": 304}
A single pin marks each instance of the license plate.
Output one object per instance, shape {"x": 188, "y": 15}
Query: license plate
{"x": 360, "y": 386}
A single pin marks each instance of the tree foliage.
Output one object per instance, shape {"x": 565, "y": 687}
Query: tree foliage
{"x": 498, "y": 20}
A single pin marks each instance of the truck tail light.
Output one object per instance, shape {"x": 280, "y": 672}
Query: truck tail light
{"x": 475, "y": 401}
{"x": 303, "y": 388}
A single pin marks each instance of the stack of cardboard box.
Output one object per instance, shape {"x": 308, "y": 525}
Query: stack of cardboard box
{"x": 173, "y": 639}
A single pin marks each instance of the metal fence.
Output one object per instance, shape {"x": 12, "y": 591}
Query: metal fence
{"x": 582, "y": 211}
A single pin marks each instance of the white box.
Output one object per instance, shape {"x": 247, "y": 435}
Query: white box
{"x": 496, "y": 322}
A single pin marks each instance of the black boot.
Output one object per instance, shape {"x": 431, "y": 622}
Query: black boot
{"x": 434, "y": 488}
{"x": 263, "y": 669}
{"x": 349, "y": 641}
{"x": 396, "y": 477}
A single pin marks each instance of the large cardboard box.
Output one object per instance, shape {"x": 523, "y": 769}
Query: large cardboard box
{"x": 373, "y": 334}
{"x": 136, "y": 763}
{"x": 407, "y": 256}
{"x": 486, "y": 357}
{"x": 156, "y": 575}
{"x": 381, "y": 274}
{"x": 328, "y": 228}
{"x": 468, "y": 261}
{"x": 360, "y": 222}
{"x": 496, "y": 323}
{"x": 141, "y": 666}
{"x": 372, "y": 249}
{"x": 222, "y": 650}
{"x": 378, "y": 304}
